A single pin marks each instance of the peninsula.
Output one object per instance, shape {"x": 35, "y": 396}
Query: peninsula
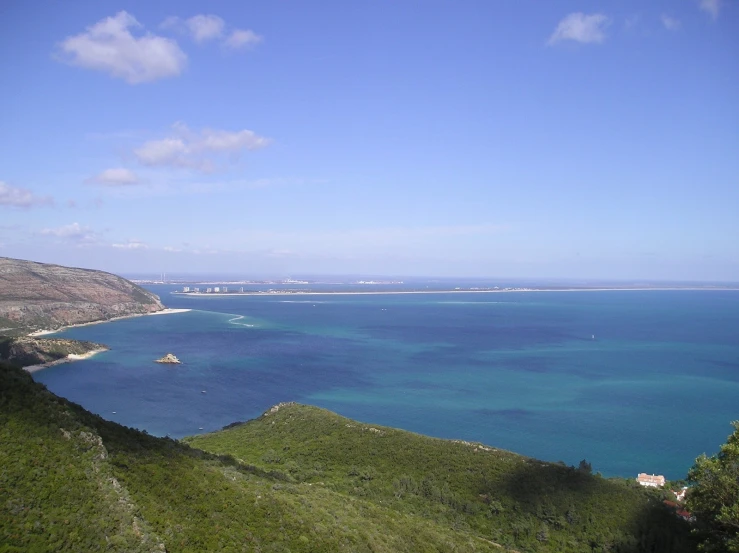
{"x": 39, "y": 298}
{"x": 35, "y": 296}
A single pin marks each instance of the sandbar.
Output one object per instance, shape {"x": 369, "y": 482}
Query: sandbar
{"x": 394, "y": 292}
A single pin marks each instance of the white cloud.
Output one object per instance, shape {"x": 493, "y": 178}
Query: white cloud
{"x": 191, "y": 149}
{"x": 200, "y": 28}
{"x": 115, "y": 177}
{"x": 712, "y": 7}
{"x": 169, "y": 151}
{"x": 581, "y": 28}
{"x": 109, "y": 46}
{"x": 131, "y": 244}
{"x": 670, "y": 23}
{"x": 21, "y": 197}
{"x": 242, "y": 38}
{"x": 225, "y": 141}
{"x": 205, "y": 27}
{"x": 73, "y": 233}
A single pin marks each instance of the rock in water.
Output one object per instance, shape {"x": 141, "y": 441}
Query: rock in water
{"x": 169, "y": 359}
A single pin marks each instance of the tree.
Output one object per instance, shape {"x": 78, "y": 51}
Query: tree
{"x": 714, "y": 497}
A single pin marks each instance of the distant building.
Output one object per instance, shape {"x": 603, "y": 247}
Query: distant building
{"x": 225, "y": 289}
{"x": 186, "y": 289}
{"x": 216, "y": 289}
{"x": 651, "y": 480}
{"x": 242, "y": 289}
{"x": 208, "y": 290}
{"x": 196, "y": 289}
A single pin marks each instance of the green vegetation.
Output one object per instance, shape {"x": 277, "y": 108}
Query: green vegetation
{"x": 494, "y": 494}
{"x": 71, "y": 481}
{"x": 297, "y": 479}
{"x": 714, "y": 497}
{"x": 25, "y": 351}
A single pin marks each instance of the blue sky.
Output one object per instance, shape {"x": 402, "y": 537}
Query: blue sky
{"x": 477, "y": 138}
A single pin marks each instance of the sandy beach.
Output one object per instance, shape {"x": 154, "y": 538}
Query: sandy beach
{"x": 167, "y": 311}
{"x": 68, "y": 359}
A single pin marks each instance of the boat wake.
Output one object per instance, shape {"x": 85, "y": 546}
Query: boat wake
{"x": 238, "y": 318}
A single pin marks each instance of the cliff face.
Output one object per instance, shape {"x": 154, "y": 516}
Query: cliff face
{"x": 37, "y": 296}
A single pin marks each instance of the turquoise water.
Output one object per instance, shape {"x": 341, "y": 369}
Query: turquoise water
{"x": 656, "y": 386}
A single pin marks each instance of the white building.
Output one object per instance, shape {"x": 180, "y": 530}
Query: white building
{"x": 186, "y": 289}
{"x": 651, "y": 480}
{"x": 216, "y": 289}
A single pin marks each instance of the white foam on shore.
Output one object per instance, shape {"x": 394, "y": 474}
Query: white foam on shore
{"x": 169, "y": 311}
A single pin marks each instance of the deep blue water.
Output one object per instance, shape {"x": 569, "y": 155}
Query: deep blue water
{"x": 657, "y": 386}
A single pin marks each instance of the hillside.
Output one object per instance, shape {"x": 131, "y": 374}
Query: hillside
{"x": 37, "y": 296}
{"x": 25, "y": 351}
{"x": 71, "y": 481}
{"x": 297, "y": 479}
{"x": 495, "y": 494}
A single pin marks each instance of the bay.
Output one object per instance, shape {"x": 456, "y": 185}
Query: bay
{"x": 633, "y": 381}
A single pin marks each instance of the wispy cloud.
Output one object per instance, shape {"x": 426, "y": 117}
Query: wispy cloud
{"x": 110, "y": 47}
{"x": 21, "y": 197}
{"x": 711, "y": 7}
{"x": 581, "y": 27}
{"x": 200, "y": 28}
{"x": 132, "y": 244}
{"x": 203, "y": 28}
{"x": 115, "y": 177}
{"x": 195, "y": 150}
{"x": 670, "y": 23}
{"x": 378, "y": 237}
{"x": 72, "y": 233}
{"x": 242, "y": 39}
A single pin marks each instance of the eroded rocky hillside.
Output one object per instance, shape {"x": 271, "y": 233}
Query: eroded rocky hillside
{"x": 37, "y": 296}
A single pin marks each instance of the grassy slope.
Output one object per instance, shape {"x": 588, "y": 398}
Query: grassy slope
{"x": 70, "y": 481}
{"x": 494, "y": 494}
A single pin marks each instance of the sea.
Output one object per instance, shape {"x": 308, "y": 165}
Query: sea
{"x": 630, "y": 380}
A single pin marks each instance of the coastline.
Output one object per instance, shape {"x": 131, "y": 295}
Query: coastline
{"x": 166, "y": 311}
{"x": 393, "y": 292}
{"x": 68, "y": 359}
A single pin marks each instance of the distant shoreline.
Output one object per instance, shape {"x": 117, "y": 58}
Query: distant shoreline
{"x": 393, "y": 292}
{"x": 166, "y": 311}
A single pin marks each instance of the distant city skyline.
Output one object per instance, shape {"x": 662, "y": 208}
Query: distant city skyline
{"x": 541, "y": 140}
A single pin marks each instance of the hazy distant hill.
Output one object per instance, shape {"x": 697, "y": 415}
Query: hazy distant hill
{"x": 41, "y": 296}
